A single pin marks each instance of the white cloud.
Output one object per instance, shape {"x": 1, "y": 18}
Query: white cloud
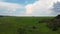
{"x": 10, "y": 5}
{"x": 29, "y": 9}
{"x": 41, "y": 7}
{"x": 9, "y": 8}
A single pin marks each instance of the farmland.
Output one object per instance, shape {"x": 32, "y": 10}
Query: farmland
{"x": 11, "y": 25}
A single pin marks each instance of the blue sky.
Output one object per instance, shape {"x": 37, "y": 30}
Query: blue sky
{"x": 28, "y": 7}
{"x": 23, "y": 2}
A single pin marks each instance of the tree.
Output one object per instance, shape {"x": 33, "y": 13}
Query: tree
{"x": 54, "y": 23}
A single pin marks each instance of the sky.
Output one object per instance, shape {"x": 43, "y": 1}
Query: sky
{"x": 29, "y": 7}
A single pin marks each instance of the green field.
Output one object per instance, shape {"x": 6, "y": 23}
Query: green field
{"x": 10, "y": 25}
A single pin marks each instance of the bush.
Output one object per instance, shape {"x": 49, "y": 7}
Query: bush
{"x": 1, "y": 16}
{"x": 34, "y": 27}
{"x": 21, "y": 31}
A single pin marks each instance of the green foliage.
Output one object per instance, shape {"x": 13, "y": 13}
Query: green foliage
{"x": 29, "y": 25}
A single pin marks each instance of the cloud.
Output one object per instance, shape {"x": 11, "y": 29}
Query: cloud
{"x": 41, "y": 7}
{"x": 9, "y": 8}
{"x": 29, "y": 9}
{"x": 10, "y": 5}
{"x": 56, "y": 8}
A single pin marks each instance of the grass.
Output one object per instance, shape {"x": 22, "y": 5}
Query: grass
{"x": 10, "y": 25}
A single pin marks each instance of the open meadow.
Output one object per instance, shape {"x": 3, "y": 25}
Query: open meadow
{"x": 25, "y": 25}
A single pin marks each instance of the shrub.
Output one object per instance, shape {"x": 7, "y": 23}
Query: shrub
{"x": 21, "y": 31}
